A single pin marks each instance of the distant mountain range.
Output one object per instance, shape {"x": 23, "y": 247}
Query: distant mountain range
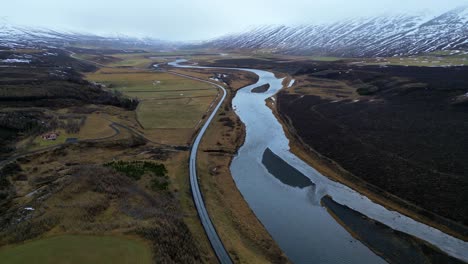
{"x": 389, "y": 35}
{"x": 13, "y": 36}
{"x": 380, "y": 36}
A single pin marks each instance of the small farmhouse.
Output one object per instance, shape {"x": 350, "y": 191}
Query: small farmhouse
{"x": 51, "y": 136}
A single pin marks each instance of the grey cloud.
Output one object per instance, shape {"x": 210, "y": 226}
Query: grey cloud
{"x": 197, "y": 19}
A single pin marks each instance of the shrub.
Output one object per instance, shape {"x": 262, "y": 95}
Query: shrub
{"x": 136, "y": 169}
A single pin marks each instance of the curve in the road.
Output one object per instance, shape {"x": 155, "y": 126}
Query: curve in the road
{"x": 216, "y": 243}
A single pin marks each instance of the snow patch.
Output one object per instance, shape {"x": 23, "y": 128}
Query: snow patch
{"x": 15, "y": 61}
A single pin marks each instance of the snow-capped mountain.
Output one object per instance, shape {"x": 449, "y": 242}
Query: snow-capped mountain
{"x": 19, "y": 36}
{"x": 360, "y": 37}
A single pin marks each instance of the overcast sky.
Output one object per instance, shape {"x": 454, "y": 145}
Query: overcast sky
{"x": 197, "y": 19}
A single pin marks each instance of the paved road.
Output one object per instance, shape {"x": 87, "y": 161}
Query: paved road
{"x": 210, "y": 230}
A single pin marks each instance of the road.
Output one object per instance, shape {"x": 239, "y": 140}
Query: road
{"x": 210, "y": 230}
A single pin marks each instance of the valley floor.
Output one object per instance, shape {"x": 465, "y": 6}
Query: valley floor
{"x": 89, "y": 180}
{"x": 395, "y": 134}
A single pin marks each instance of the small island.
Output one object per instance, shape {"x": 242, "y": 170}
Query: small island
{"x": 261, "y": 89}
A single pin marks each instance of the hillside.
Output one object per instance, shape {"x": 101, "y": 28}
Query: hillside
{"x": 384, "y": 36}
{"x": 15, "y": 36}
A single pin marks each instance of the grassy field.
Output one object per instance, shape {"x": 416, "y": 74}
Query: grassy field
{"x": 95, "y": 127}
{"x": 167, "y": 101}
{"x": 434, "y": 59}
{"x": 78, "y": 249}
{"x": 173, "y": 113}
{"x": 132, "y": 80}
{"x": 132, "y": 60}
{"x": 38, "y": 142}
{"x": 326, "y": 88}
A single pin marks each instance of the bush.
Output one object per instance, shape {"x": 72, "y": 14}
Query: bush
{"x": 136, "y": 169}
{"x": 172, "y": 242}
{"x": 8, "y": 170}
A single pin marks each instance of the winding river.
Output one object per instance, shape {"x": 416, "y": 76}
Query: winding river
{"x": 291, "y": 209}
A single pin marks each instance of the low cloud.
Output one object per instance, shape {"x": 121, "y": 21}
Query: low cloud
{"x": 198, "y": 19}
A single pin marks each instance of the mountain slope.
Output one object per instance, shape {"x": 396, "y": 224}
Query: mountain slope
{"x": 13, "y": 36}
{"x": 361, "y": 37}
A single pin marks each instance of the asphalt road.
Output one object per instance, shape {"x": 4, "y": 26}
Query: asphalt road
{"x": 210, "y": 230}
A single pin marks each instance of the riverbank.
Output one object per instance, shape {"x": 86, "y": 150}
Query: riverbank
{"x": 394, "y": 246}
{"x": 241, "y": 232}
{"x": 262, "y": 123}
{"x": 335, "y": 172}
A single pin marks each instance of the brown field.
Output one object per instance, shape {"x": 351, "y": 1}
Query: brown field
{"x": 306, "y": 85}
{"x": 95, "y": 126}
{"x": 77, "y": 249}
{"x": 167, "y": 102}
{"x": 325, "y": 88}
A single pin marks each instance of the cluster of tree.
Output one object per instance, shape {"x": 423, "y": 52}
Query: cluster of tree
{"x": 71, "y": 124}
{"x": 171, "y": 241}
{"x": 136, "y": 169}
{"x": 125, "y": 102}
{"x": 21, "y": 121}
{"x": 6, "y": 188}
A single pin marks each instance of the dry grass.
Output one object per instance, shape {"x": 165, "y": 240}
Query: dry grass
{"x": 235, "y": 79}
{"x": 435, "y": 59}
{"x": 72, "y": 193}
{"x": 171, "y": 136}
{"x": 334, "y": 171}
{"x": 75, "y": 249}
{"x": 38, "y": 142}
{"x": 95, "y": 127}
{"x": 244, "y": 236}
{"x": 325, "y": 88}
{"x": 167, "y": 101}
{"x": 178, "y": 173}
{"x": 173, "y": 113}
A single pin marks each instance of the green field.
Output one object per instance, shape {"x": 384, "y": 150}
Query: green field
{"x": 174, "y": 113}
{"x": 433, "y": 59}
{"x": 39, "y": 142}
{"x": 132, "y": 60}
{"x": 78, "y": 249}
{"x": 321, "y": 58}
{"x": 171, "y": 94}
{"x": 166, "y": 100}
{"x": 145, "y": 81}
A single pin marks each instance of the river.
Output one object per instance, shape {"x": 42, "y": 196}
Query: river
{"x": 290, "y": 209}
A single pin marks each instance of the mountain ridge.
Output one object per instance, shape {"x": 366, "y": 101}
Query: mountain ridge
{"x": 17, "y": 36}
{"x": 388, "y": 35}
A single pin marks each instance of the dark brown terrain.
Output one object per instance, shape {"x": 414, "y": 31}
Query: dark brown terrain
{"x": 410, "y": 140}
{"x": 51, "y": 80}
{"x": 114, "y": 184}
{"x": 403, "y": 130}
